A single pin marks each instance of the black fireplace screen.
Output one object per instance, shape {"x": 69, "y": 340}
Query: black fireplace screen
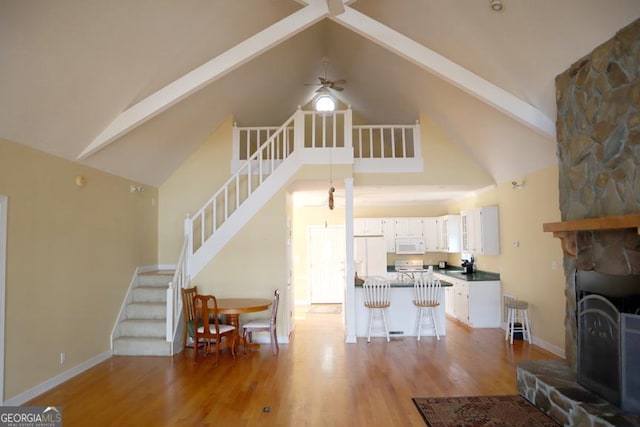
{"x": 609, "y": 336}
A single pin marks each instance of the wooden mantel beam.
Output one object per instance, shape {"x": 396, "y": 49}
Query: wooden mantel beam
{"x": 566, "y": 231}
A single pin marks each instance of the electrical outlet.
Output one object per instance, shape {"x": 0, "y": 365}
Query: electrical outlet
{"x": 554, "y": 265}
{"x": 63, "y": 357}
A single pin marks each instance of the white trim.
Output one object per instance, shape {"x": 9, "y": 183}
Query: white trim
{"x": 205, "y": 74}
{"x": 447, "y": 70}
{"x": 551, "y": 348}
{"x": 44, "y": 386}
{"x": 127, "y": 299}
{"x": 3, "y": 268}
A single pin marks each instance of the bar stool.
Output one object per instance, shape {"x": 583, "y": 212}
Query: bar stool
{"x": 376, "y": 291}
{"x": 517, "y": 319}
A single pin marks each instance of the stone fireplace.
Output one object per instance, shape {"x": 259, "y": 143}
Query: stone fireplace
{"x": 598, "y": 132}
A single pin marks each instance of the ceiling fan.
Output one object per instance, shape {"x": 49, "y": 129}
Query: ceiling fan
{"x": 328, "y": 84}
{"x": 325, "y": 83}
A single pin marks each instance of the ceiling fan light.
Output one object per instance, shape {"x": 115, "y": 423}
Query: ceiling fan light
{"x": 325, "y": 103}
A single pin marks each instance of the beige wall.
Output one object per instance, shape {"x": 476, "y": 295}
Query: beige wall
{"x": 71, "y": 253}
{"x": 190, "y": 186}
{"x": 526, "y": 270}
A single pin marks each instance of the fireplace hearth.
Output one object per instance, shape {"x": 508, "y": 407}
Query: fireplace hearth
{"x": 608, "y": 321}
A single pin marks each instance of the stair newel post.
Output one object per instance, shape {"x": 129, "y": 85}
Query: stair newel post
{"x": 236, "y": 142}
{"x": 348, "y": 132}
{"x": 417, "y": 141}
{"x": 188, "y": 235}
{"x": 298, "y": 131}
{"x": 170, "y": 317}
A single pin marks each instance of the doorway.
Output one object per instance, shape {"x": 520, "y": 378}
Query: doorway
{"x": 3, "y": 268}
{"x": 326, "y": 264}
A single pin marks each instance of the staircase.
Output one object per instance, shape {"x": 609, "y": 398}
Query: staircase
{"x": 142, "y": 330}
{"x": 265, "y": 159}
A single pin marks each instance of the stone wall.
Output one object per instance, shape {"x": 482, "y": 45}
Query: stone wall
{"x": 598, "y": 131}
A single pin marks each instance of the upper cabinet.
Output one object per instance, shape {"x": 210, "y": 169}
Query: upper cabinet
{"x": 479, "y": 230}
{"x": 368, "y": 227}
{"x": 448, "y": 233}
{"x": 389, "y": 227}
{"x": 408, "y": 227}
{"x": 430, "y": 233}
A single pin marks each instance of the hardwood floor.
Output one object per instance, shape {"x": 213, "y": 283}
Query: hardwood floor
{"x": 316, "y": 380}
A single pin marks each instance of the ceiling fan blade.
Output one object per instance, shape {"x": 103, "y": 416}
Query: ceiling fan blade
{"x": 339, "y": 82}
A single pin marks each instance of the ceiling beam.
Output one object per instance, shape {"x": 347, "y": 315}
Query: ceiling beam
{"x": 447, "y": 70}
{"x": 208, "y": 72}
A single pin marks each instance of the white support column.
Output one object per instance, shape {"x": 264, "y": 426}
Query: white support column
{"x": 350, "y": 291}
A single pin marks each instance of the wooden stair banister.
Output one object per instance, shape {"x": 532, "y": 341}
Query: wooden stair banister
{"x": 566, "y": 231}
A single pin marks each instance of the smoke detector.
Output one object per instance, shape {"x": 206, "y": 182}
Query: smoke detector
{"x": 497, "y": 6}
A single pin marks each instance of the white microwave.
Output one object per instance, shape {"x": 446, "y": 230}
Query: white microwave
{"x": 409, "y": 245}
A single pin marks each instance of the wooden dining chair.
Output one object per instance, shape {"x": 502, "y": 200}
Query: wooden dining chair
{"x": 264, "y": 325}
{"x": 189, "y": 314}
{"x": 212, "y": 332}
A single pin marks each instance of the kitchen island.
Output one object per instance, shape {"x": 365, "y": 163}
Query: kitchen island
{"x": 401, "y": 315}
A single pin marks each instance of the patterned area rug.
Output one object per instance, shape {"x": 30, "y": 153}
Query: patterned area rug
{"x": 511, "y": 411}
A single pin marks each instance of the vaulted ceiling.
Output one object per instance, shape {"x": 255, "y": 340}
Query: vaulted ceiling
{"x": 133, "y": 87}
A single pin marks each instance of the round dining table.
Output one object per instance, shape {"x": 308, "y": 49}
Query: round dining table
{"x": 234, "y": 307}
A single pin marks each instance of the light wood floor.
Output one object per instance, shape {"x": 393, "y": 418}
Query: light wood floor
{"x": 316, "y": 380}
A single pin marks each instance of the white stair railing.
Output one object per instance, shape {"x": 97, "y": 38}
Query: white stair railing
{"x": 174, "y": 301}
{"x": 240, "y": 186}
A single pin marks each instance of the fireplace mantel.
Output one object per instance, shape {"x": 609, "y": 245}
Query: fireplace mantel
{"x": 566, "y": 231}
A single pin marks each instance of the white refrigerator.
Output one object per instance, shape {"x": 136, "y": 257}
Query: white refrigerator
{"x": 370, "y": 256}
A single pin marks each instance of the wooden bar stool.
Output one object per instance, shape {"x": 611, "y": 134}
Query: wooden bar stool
{"x": 517, "y": 319}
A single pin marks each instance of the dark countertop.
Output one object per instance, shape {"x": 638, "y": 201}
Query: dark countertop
{"x": 409, "y": 284}
{"x": 477, "y": 276}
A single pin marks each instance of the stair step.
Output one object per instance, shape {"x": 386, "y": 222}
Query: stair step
{"x": 149, "y": 294}
{"x": 147, "y": 310}
{"x": 143, "y": 328}
{"x": 138, "y": 346}
{"x": 148, "y": 279}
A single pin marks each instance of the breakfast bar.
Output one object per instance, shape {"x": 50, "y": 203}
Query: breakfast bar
{"x": 401, "y": 315}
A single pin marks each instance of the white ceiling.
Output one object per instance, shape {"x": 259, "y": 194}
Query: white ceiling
{"x": 70, "y": 68}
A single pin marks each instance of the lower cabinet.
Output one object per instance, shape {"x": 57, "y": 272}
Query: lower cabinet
{"x": 476, "y": 303}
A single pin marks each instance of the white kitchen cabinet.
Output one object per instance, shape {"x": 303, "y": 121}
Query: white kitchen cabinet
{"x": 476, "y": 303}
{"x": 389, "y": 233}
{"x": 448, "y": 301}
{"x": 408, "y": 227}
{"x": 479, "y": 231}
{"x": 430, "y": 233}
{"x": 448, "y": 233}
{"x": 368, "y": 227}
{"x": 467, "y": 233}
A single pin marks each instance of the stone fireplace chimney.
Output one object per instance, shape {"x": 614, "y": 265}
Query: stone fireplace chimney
{"x": 598, "y": 131}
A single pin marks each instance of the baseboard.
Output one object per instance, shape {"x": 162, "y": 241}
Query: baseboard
{"x": 27, "y": 395}
{"x": 551, "y": 348}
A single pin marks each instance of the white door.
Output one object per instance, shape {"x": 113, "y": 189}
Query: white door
{"x": 326, "y": 264}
